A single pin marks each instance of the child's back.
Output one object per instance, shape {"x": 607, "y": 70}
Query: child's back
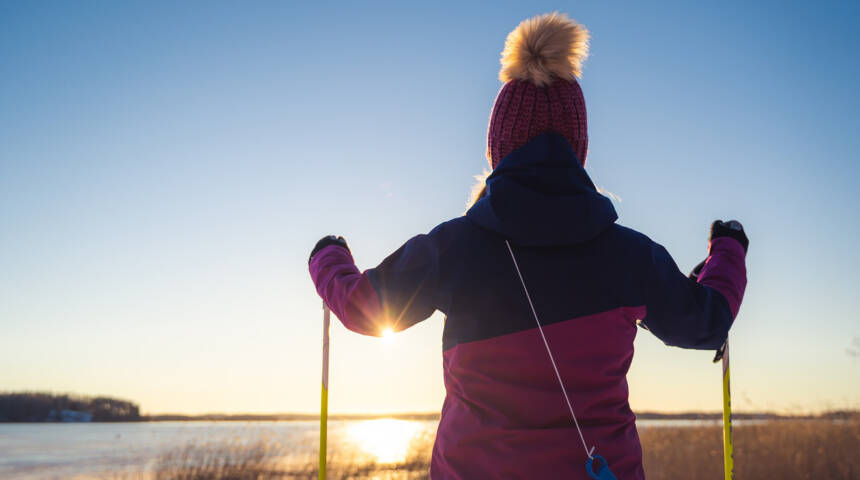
{"x": 590, "y": 281}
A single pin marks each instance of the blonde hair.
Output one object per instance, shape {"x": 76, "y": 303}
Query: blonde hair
{"x": 479, "y": 189}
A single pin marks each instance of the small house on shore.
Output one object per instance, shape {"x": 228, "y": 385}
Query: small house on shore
{"x": 71, "y": 416}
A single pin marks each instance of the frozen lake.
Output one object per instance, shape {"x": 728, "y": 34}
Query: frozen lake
{"x": 100, "y": 450}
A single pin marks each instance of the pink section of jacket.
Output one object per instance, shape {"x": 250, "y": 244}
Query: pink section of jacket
{"x": 505, "y": 413}
{"x": 346, "y": 291}
{"x": 725, "y": 271}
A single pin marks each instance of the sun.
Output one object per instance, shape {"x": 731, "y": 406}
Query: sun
{"x": 387, "y": 334}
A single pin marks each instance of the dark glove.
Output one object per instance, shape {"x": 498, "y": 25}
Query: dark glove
{"x": 731, "y": 229}
{"x": 325, "y": 242}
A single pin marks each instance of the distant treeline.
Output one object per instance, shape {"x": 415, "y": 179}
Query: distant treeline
{"x": 49, "y": 407}
{"x": 292, "y": 417}
{"x": 830, "y": 415}
{"x": 283, "y": 417}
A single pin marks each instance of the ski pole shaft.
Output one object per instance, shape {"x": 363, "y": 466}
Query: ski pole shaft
{"x": 728, "y": 458}
{"x": 324, "y": 394}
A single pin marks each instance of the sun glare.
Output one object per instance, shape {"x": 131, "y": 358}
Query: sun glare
{"x": 385, "y": 440}
{"x": 388, "y": 334}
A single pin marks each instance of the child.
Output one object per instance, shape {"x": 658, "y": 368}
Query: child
{"x": 590, "y": 281}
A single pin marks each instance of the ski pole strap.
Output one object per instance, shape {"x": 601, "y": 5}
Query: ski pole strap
{"x": 721, "y": 352}
{"x": 603, "y": 472}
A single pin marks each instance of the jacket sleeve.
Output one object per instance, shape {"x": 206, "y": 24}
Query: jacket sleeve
{"x": 395, "y": 295}
{"x": 687, "y": 313}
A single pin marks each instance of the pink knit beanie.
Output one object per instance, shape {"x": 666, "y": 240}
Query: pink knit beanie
{"x": 540, "y": 64}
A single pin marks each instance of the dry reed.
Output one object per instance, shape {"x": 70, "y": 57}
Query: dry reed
{"x": 787, "y": 450}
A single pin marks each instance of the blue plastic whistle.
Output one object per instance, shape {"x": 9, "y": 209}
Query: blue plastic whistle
{"x": 603, "y": 472}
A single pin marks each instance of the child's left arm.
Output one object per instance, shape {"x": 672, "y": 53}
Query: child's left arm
{"x": 697, "y": 311}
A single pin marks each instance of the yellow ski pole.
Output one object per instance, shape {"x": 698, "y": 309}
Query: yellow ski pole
{"x": 324, "y": 394}
{"x": 728, "y": 456}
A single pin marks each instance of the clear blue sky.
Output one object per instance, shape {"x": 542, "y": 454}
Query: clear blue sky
{"x": 166, "y": 167}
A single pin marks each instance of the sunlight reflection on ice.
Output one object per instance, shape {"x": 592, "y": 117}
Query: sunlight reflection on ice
{"x": 385, "y": 439}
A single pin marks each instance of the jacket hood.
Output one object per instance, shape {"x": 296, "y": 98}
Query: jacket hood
{"x": 540, "y": 195}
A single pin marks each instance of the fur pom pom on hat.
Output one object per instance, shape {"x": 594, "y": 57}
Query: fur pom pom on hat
{"x": 541, "y": 61}
{"x": 544, "y": 48}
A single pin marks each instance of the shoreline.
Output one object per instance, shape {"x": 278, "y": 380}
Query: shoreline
{"x": 434, "y": 416}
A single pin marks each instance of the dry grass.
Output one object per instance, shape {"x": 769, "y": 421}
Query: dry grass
{"x": 265, "y": 460}
{"x": 785, "y": 450}
{"x": 226, "y": 461}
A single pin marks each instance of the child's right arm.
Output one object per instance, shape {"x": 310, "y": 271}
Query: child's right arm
{"x": 690, "y": 313}
{"x": 398, "y": 293}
